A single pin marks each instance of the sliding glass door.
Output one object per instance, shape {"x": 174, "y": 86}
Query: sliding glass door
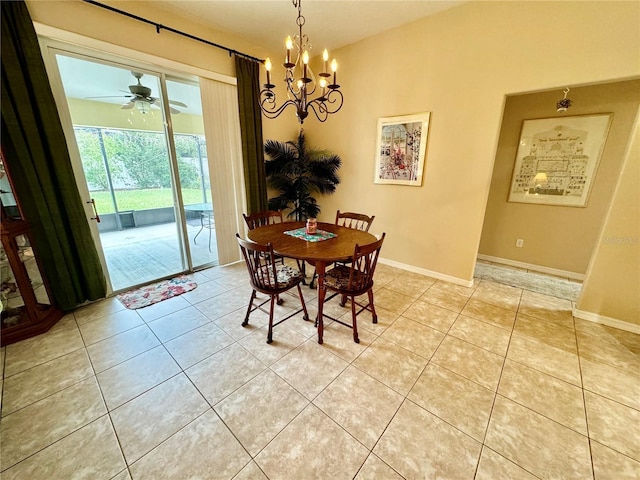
{"x": 193, "y": 168}
{"x": 141, "y": 147}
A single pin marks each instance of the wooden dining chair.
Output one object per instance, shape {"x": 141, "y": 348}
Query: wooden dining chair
{"x": 353, "y": 280}
{"x": 260, "y": 219}
{"x": 270, "y": 279}
{"x": 269, "y": 217}
{"x": 358, "y": 221}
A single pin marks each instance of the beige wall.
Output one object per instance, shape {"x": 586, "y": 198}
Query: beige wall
{"x": 557, "y": 237}
{"x": 459, "y": 65}
{"x": 612, "y": 288}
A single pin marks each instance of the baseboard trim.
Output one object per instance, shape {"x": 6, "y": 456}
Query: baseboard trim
{"x": 530, "y": 266}
{"x": 428, "y": 273}
{"x": 608, "y": 321}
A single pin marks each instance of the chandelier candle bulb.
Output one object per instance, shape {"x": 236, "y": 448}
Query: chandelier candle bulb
{"x": 305, "y": 62}
{"x": 325, "y": 57}
{"x": 267, "y": 66}
{"x": 323, "y": 85}
{"x": 334, "y": 69}
{"x": 289, "y": 44}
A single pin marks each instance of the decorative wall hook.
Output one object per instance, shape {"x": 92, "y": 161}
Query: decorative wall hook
{"x": 564, "y": 104}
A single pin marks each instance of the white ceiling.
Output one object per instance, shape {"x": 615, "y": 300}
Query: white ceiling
{"x": 329, "y": 24}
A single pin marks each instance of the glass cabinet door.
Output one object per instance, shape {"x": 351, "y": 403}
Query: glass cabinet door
{"x": 25, "y": 305}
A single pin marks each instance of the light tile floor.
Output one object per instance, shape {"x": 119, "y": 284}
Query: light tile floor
{"x": 489, "y": 382}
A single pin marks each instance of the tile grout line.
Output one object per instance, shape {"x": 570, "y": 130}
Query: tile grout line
{"x": 104, "y": 402}
{"x": 584, "y": 398}
{"x": 495, "y": 394}
{"x": 349, "y": 363}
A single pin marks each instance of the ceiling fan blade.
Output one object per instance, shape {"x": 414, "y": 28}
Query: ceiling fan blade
{"x": 127, "y": 106}
{"x": 158, "y": 103}
{"x": 110, "y": 96}
{"x": 179, "y": 104}
{"x": 174, "y": 110}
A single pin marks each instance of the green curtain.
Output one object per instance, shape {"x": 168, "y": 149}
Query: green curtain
{"x": 36, "y": 153}
{"x": 248, "y": 73}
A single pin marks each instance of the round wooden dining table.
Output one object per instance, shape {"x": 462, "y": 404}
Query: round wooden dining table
{"x": 322, "y": 253}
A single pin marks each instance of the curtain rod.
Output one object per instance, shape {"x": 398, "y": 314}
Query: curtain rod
{"x": 173, "y": 30}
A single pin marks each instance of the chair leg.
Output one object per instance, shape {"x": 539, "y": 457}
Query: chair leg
{"x": 305, "y": 317}
{"x": 271, "y": 308}
{"x": 312, "y": 283}
{"x": 374, "y": 315}
{"x": 199, "y": 231}
{"x": 355, "y": 320}
{"x": 209, "y": 237}
{"x": 343, "y": 300}
{"x": 302, "y": 268}
{"x": 246, "y": 317}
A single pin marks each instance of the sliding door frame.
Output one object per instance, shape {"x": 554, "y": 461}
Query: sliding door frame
{"x": 52, "y": 39}
{"x": 167, "y": 130}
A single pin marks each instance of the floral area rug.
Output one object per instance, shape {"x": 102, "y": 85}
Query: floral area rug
{"x": 145, "y": 296}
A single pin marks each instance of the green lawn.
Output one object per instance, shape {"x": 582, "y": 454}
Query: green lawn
{"x": 144, "y": 199}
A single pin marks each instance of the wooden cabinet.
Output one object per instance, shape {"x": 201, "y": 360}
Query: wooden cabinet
{"x": 26, "y": 308}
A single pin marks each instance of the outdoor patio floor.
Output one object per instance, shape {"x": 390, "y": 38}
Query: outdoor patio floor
{"x": 136, "y": 256}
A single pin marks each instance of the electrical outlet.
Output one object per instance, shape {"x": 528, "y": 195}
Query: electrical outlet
{"x": 519, "y": 243}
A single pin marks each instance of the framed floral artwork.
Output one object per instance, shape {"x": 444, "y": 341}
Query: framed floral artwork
{"x": 557, "y": 159}
{"x": 400, "y": 149}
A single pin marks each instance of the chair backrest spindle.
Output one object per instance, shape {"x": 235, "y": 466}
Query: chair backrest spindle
{"x": 353, "y": 220}
{"x": 260, "y": 263}
{"x": 260, "y": 219}
{"x": 365, "y": 259}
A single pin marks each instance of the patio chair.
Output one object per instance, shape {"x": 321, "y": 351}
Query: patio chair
{"x": 269, "y": 279}
{"x": 206, "y": 222}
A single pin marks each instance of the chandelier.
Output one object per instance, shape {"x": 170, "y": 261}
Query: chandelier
{"x": 301, "y": 83}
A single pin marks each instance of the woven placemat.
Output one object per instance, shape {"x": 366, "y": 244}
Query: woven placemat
{"x": 318, "y": 237}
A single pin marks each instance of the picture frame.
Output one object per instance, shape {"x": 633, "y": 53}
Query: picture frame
{"x": 557, "y": 159}
{"x": 401, "y": 149}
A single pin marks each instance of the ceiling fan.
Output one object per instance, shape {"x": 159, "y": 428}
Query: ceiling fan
{"x": 141, "y": 98}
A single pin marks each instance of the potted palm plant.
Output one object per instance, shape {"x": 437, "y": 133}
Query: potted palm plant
{"x": 297, "y": 172}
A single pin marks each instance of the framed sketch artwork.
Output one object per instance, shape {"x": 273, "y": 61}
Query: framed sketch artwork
{"x": 400, "y": 149}
{"x": 557, "y": 159}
